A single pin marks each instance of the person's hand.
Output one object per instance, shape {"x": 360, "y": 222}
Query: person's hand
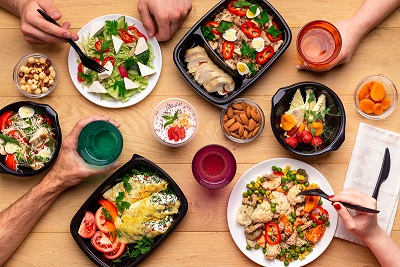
{"x": 70, "y": 169}
{"x": 36, "y": 29}
{"x": 351, "y": 38}
{"x": 163, "y": 18}
{"x": 362, "y": 224}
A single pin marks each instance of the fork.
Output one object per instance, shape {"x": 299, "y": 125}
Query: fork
{"x": 319, "y": 192}
{"x": 86, "y": 61}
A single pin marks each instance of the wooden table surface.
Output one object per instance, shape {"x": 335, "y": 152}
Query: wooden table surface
{"x": 203, "y": 238}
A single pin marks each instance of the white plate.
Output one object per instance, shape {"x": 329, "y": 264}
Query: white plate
{"x": 95, "y": 98}
{"x": 235, "y": 200}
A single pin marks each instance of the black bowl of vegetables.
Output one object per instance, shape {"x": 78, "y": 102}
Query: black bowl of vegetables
{"x": 30, "y": 138}
{"x": 308, "y": 119}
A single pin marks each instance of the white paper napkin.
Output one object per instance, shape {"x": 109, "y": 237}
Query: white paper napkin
{"x": 363, "y": 171}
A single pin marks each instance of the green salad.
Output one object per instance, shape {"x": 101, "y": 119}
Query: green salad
{"x": 124, "y": 51}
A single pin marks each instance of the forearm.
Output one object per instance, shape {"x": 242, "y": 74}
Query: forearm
{"x": 13, "y": 6}
{"x": 384, "y": 248}
{"x": 17, "y": 220}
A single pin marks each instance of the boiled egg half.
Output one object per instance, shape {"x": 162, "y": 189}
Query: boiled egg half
{"x": 242, "y": 68}
{"x": 251, "y": 15}
{"x": 26, "y": 112}
{"x": 258, "y": 44}
{"x": 230, "y": 35}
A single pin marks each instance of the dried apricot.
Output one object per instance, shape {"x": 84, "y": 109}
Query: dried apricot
{"x": 366, "y": 105}
{"x": 378, "y": 92}
{"x": 377, "y": 108}
{"x": 287, "y": 122}
{"x": 385, "y": 103}
{"x": 365, "y": 91}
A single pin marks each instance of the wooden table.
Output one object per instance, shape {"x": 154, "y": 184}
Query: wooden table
{"x": 203, "y": 237}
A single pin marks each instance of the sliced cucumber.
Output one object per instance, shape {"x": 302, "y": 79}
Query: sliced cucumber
{"x": 121, "y": 22}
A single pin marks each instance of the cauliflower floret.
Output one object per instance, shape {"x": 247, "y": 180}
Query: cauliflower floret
{"x": 243, "y": 215}
{"x": 262, "y": 213}
{"x": 271, "y": 251}
{"x": 293, "y": 195}
{"x": 282, "y": 204}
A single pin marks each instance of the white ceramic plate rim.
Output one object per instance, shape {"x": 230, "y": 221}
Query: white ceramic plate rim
{"x": 95, "y": 98}
{"x": 235, "y": 200}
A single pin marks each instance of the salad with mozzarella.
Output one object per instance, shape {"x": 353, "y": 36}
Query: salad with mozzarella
{"x": 27, "y": 139}
{"x": 124, "y": 51}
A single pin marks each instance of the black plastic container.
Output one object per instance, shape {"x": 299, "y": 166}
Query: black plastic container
{"x": 52, "y": 114}
{"x": 335, "y": 120}
{"x": 195, "y": 37}
{"x": 92, "y": 205}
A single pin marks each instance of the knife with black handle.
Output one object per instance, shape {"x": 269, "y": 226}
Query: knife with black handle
{"x": 384, "y": 173}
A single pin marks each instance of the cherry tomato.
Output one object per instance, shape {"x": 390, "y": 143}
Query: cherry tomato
{"x": 250, "y": 29}
{"x": 316, "y": 141}
{"x": 307, "y": 137}
{"x": 135, "y": 33}
{"x": 237, "y": 10}
{"x": 101, "y": 242}
{"x": 291, "y": 141}
{"x": 214, "y": 25}
{"x": 319, "y": 215}
{"x": 100, "y": 220}
{"x": 80, "y": 70}
{"x": 97, "y": 60}
{"x": 123, "y": 72}
{"x": 117, "y": 252}
{"x": 11, "y": 162}
{"x": 88, "y": 228}
{"x": 227, "y": 49}
{"x": 271, "y": 37}
{"x": 97, "y": 46}
{"x": 5, "y": 119}
{"x": 272, "y": 233}
{"x": 263, "y": 56}
{"x": 125, "y": 36}
{"x": 109, "y": 58}
{"x": 110, "y": 207}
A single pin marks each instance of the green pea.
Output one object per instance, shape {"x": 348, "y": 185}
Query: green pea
{"x": 301, "y": 235}
{"x": 299, "y": 230}
{"x": 297, "y": 249}
{"x": 296, "y": 257}
{"x": 302, "y": 249}
{"x": 273, "y": 205}
{"x": 285, "y": 188}
{"x": 256, "y": 246}
{"x": 289, "y": 257}
{"x": 262, "y": 180}
{"x": 262, "y": 191}
{"x": 293, "y": 215}
{"x": 283, "y": 180}
{"x": 264, "y": 250}
{"x": 249, "y": 186}
{"x": 289, "y": 179}
{"x": 274, "y": 168}
{"x": 306, "y": 184}
{"x": 245, "y": 194}
{"x": 281, "y": 254}
{"x": 314, "y": 224}
{"x": 273, "y": 210}
{"x": 284, "y": 251}
{"x": 249, "y": 192}
{"x": 322, "y": 218}
{"x": 293, "y": 252}
{"x": 309, "y": 249}
{"x": 295, "y": 182}
{"x": 248, "y": 247}
{"x": 292, "y": 220}
{"x": 327, "y": 223}
{"x": 286, "y": 262}
{"x": 279, "y": 169}
{"x": 252, "y": 182}
{"x": 308, "y": 245}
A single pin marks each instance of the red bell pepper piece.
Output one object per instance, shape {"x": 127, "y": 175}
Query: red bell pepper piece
{"x": 263, "y": 56}
{"x": 227, "y": 49}
{"x": 237, "y": 10}
{"x": 250, "y": 29}
{"x": 272, "y": 233}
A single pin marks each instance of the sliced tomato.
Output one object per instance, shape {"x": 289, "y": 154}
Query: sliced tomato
{"x": 5, "y": 119}
{"x": 98, "y": 47}
{"x": 214, "y": 25}
{"x": 110, "y": 207}
{"x": 120, "y": 248}
{"x": 125, "y": 36}
{"x": 263, "y": 56}
{"x": 250, "y": 29}
{"x": 88, "y": 228}
{"x": 271, "y": 37}
{"x": 109, "y": 58}
{"x": 135, "y": 33}
{"x": 112, "y": 231}
{"x": 227, "y": 49}
{"x": 101, "y": 242}
{"x": 182, "y": 133}
{"x": 237, "y": 10}
{"x": 123, "y": 72}
{"x": 101, "y": 220}
{"x": 97, "y": 60}
{"x": 11, "y": 162}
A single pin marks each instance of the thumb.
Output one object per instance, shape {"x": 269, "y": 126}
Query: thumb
{"x": 344, "y": 215}
{"x": 50, "y": 8}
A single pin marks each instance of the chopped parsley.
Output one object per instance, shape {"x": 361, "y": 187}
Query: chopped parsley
{"x": 170, "y": 119}
{"x": 111, "y": 27}
{"x": 247, "y": 51}
{"x": 140, "y": 248}
{"x": 207, "y": 32}
{"x": 120, "y": 203}
{"x": 223, "y": 26}
{"x": 263, "y": 18}
{"x": 274, "y": 31}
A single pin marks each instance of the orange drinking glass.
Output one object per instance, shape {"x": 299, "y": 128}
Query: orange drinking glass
{"x": 319, "y": 42}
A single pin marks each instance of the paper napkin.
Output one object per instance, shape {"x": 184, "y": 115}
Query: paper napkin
{"x": 363, "y": 171}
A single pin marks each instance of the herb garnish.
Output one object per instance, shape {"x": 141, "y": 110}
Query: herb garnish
{"x": 207, "y": 32}
{"x": 140, "y": 248}
{"x": 120, "y": 203}
{"x": 111, "y": 27}
{"x": 170, "y": 119}
{"x": 242, "y": 3}
{"x": 263, "y": 19}
{"x": 274, "y": 31}
{"x": 247, "y": 51}
{"x": 223, "y": 26}
{"x": 9, "y": 139}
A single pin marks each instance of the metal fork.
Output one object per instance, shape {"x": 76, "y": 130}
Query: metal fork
{"x": 319, "y": 192}
{"x": 86, "y": 61}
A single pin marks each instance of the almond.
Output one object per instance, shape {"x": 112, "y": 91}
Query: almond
{"x": 241, "y": 130}
{"x": 235, "y": 127}
{"x": 226, "y": 118}
{"x": 244, "y": 105}
{"x": 229, "y": 122}
{"x": 255, "y": 130}
{"x": 245, "y": 134}
{"x": 229, "y": 112}
{"x": 255, "y": 114}
{"x": 248, "y": 110}
{"x": 226, "y": 128}
{"x": 244, "y": 118}
{"x": 237, "y": 118}
{"x": 237, "y": 106}
{"x": 235, "y": 135}
{"x": 238, "y": 112}
{"x": 252, "y": 124}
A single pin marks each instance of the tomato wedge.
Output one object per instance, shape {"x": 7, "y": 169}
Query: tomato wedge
{"x": 98, "y": 47}
{"x": 117, "y": 252}
{"x": 271, "y": 37}
{"x": 5, "y": 119}
{"x": 250, "y": 29}
{"x": 263, "y": 56}
{"x": 135, "y": 33}
{"x": 214, "y": 25}
{"x": 101, "y": 242}
{"x": 227, "y": 49}
{"x": 319, "y": 215}
{"x": 88, "y": 228}
{"x": 237, "y": 10}
{"x": 123, "y": 72}
{"x": 11, "y": 162}
{"x": 110, "y": 207}
{"x": 125, "y": 36}
{"x": 272, "y": 233}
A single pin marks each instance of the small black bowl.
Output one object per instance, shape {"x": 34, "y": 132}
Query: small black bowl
{"x": 194, "y": 37}
{"x": 335, "y": 119}
{"x": 52, "y": 114}
{"x": 92, "y": 205}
